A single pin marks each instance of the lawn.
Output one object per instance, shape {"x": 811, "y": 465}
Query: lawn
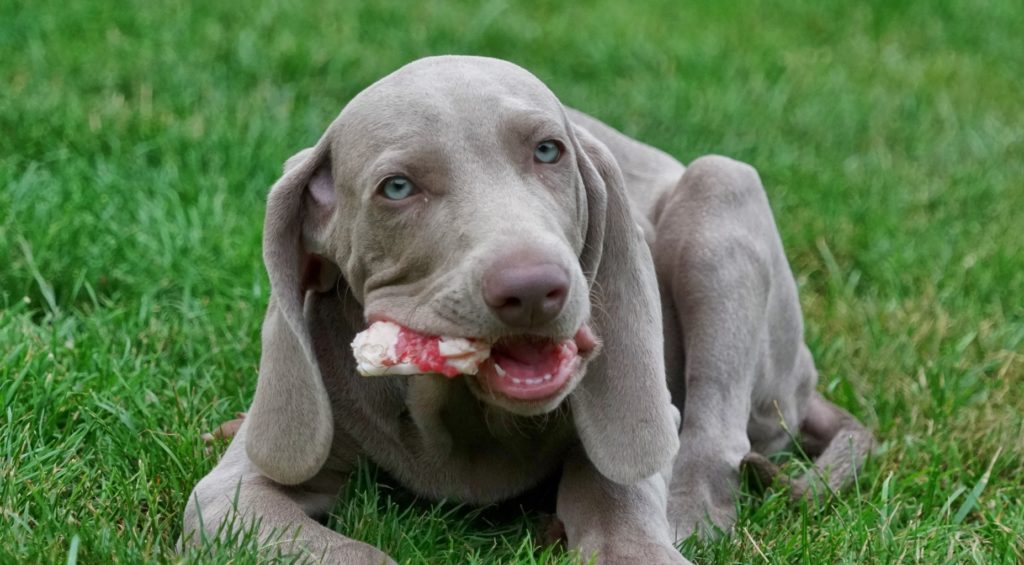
{"x": 138, "y": 140}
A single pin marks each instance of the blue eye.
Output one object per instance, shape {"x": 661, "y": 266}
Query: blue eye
{"x": 547, "y": 152}
{"x": 397, "y": 188}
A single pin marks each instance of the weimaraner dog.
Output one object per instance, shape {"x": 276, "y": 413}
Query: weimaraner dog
{"x": 458, "y": 197}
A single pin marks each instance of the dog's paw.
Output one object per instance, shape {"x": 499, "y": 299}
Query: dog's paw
{"x": 705, "y": 509}
{"x": 326, "y": 547}
{"x": 706, "y": 522}
{"x": 354, "y": 553}
{"x": 810, "y": 488}
{"x": 628, "y": 552}
{"x": 227, "y": 430}
{"x": 702, "y": 497}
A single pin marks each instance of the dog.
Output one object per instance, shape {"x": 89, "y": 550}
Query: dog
{"x": 458, "y": 197}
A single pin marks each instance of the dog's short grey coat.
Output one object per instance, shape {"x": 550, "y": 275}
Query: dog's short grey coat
{"x": 629, "y": 223}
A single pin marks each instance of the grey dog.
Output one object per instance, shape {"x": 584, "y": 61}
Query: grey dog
{"x": 459, "y": 197}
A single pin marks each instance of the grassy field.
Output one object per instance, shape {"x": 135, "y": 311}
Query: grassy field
{"x": 138, "y": 140}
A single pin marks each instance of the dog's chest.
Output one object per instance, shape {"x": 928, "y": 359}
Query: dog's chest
{"x": 444, "y": 443}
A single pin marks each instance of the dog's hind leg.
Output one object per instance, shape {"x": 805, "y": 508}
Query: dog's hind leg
{"x": 839, "y": 444}
{"x": 836, "y": 441}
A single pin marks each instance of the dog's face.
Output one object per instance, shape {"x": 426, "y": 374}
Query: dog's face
{"x": 454, "y": 197}
{"x": 461, "y": 211}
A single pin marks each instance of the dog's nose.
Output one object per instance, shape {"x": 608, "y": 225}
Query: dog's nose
{"x": 525, "y": 292}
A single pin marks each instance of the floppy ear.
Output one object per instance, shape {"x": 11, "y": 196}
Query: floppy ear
{"x": 622, "y": 409}
{"x": 290, "y": 421}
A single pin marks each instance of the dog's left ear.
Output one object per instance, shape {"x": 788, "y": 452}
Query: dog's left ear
{"x": 622, "y": 409}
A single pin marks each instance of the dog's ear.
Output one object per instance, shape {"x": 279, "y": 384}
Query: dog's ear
{"x": 622, "y": 409}
{"x": 290, "y": 420}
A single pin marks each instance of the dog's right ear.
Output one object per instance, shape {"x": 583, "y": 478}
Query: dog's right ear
{"x": 290, "y": 421}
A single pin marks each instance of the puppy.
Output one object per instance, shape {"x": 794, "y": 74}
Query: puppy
{"x": 458, "y": 197}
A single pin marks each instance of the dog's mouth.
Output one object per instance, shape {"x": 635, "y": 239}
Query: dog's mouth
{"x": 531, "y": 367}
{"x": 519, "y": 368}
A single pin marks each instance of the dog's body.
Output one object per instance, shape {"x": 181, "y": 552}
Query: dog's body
{"x": 340, "y": 254}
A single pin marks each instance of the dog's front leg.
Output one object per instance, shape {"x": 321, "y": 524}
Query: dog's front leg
{"x": 236, "y": 498}
{"x": 613, "y": 522}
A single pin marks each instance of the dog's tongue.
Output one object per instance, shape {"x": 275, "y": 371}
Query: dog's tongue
{"x": 532, "y": 369}
{"x": 526, "y": 351}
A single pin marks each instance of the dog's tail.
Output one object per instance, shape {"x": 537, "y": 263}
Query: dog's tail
{"x": 839, "y": 445}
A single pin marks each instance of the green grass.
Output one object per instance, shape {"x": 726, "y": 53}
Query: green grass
{"x": 138, "y": 139}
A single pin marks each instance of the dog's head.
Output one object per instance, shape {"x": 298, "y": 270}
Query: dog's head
{"x": 454, "y": 197}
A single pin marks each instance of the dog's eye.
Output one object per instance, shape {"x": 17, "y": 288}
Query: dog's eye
{"x": 397, "y": 188}
{"x": 547, "y": 152}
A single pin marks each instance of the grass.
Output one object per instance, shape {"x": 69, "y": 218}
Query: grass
{"x": 139, "y": 139}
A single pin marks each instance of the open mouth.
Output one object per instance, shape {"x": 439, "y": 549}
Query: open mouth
{"x": 518, "y": 367}
{"x": 529, "y": 368}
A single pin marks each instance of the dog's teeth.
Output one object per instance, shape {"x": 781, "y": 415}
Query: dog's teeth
{"x": 533, "y": 381}
{"x": 517, "y": 381}
{"x": 499, "y": 370}
{"x": 547, "y": 377}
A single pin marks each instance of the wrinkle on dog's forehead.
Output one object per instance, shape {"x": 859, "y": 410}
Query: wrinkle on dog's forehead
{"x": 446, "y": 99}
{"x": 463, "y": 129}
{"x": 471, "y": 83}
